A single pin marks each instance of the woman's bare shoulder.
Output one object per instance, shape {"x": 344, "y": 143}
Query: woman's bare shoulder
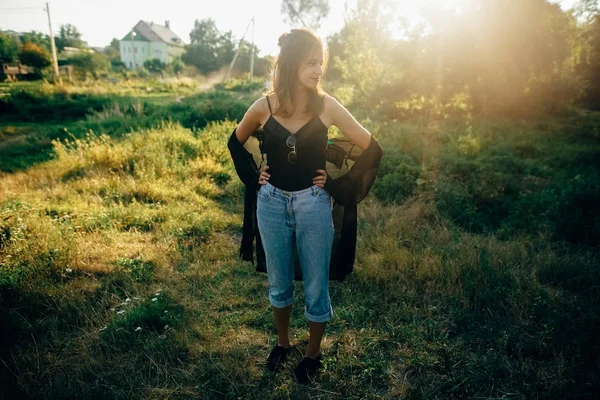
{"x": 330, "y": 102}
{"x": 260, "y": 109}
{"x": 330, "y": 105}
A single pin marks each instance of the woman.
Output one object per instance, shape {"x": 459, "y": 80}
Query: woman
{"x": 292, "y": 203}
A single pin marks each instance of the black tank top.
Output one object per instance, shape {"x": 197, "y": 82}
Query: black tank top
{"x": 311, "y": 143}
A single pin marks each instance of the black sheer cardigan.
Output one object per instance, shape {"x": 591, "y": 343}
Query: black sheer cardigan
{"x": 347, "y": 190}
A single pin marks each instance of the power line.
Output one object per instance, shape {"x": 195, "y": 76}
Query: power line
{"x": 18, "y": 12}
{"x": 17, "y": 8}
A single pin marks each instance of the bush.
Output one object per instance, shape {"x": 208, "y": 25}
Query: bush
{"x": 35, "y": 104}
{"x": 199, "y": 110}
{"x": 397, "y": 177}
{"x": 89, "y": 64}
{"x": 577, "y": 217}
{"x": 241, "y": 85}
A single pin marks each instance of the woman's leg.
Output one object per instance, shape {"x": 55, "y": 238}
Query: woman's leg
{"x": 316, "y": 331}
{"x": 282, "y": 323}
{"x": 276, "y": 233}
{"x": 314, "y": 231}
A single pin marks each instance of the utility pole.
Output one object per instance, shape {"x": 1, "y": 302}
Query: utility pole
{"x": 252, "y": 52}
{"x": 54, "y": 58}
{"x": 133, "y": 48}
{"x": 238, "y": 51}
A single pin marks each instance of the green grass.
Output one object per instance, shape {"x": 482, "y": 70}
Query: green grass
{"x": 476, "y": 272}
{"x": 33, "y": 115}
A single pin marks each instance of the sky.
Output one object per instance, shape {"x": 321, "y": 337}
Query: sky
{"x": 99, "y": 21}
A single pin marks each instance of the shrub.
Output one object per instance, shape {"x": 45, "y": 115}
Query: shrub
{"x": 397, "y": 177}
{"x": 241, "y": 85}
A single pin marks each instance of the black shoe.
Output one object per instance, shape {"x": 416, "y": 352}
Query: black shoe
{"x": 308, "y": 368}
{"x": 277, "y": 358}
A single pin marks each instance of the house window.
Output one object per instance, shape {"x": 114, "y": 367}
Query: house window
{"x": 130, "y": 64}
{"x": 143, "y": 50}
{"x": 135, "y": 49}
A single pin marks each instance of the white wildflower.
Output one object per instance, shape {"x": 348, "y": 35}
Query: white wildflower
{"x": 139, "y": 328}
{"x": 120, "y": 312}
{"x": 68, "y": 270}
{"x": 154, "y": 299}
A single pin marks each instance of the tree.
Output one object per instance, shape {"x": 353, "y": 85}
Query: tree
{"x": 307, "y": 12}
{"x": 34, "y": 56}
{"x": 177, "y": 66}
{"x": 243, "y": 60}
{"x": 113, "y": 51}
{"x": 69, "y": 36}
{"x": 9, "y": 48}
{"x": 209, "y": 49}
{"x": 589, "y": 66}
{"x": 155, "y": 65}
{"x": 38, "y": 38}
{"x": 206, "y": 32}
{"x": 89, "y": 63}
{"x": 587, "y": 9}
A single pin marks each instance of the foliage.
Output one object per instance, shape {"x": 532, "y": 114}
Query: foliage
{"x": 114, "y": 110}
{"x": 307, "y": 12}
{"x": 155, "y": 65}
{"x": 68, "y": 36}
{"x": 113, "y": 51}
{"x": 508, "y": 59}
{"x": 397, "y": 177}
{"x": 36, "y": 104}
{"x": 209, "y": 49}
{"x": 479, "y": 242}
{"x": 177, "y": 66}
{"x": 89, "y": 63}
{"x": 139, "y": 269}
{"x": 9, "y": 48}
{"x": 241, "y": 85}
{"x": 33, "y": 55}
{"x": 37, "y": 38}
{"x": 589, "y": 67}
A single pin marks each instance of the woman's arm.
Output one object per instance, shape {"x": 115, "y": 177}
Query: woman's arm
{"x": 342, "y": 118}
{"x": 350, "y": 188}
{"x": 251, "y": 121}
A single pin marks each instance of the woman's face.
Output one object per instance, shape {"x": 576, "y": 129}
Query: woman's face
{"x": 311, "y": 70}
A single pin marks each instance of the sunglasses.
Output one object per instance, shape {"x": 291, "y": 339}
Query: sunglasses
{"x": 291, "y": 143}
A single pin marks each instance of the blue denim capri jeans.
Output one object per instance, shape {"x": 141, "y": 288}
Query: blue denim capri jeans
{"x": 307, "y": 214}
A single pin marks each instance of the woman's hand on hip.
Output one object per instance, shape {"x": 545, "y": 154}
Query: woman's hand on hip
{"x": 264, "y": 175}
{"x": 321, "y": 178}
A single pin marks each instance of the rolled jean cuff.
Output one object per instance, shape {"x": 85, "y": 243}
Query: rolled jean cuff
{"x": 319, "y": 318}
{"x": 280, "y": 303}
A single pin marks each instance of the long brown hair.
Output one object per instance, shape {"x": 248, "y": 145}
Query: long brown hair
{"x": 296, "y": 46}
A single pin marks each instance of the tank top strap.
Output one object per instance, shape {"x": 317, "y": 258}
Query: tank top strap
{"x": 269, "y": 103}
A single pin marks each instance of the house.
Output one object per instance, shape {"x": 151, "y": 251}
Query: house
{"x": 148, "y": 40}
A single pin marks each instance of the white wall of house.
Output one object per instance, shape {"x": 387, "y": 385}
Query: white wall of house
{"x": 175, "y": 52}
{"x": 134, "y": 53}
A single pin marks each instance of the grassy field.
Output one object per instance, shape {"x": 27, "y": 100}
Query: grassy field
{"x": 120, "y": 220}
